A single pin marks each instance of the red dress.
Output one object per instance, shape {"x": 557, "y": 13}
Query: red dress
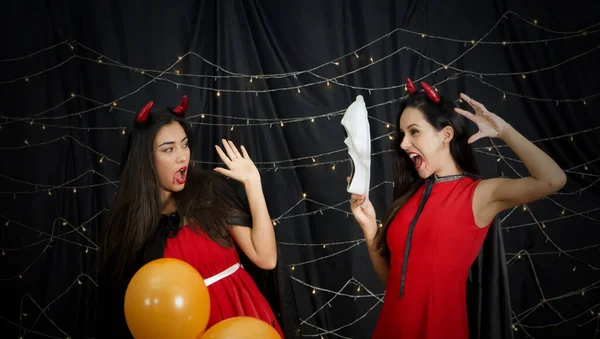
{"x": 232, "y": 296}
{"x": 445, "y": 243}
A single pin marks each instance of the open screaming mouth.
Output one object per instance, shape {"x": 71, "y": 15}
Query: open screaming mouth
{"x": 180, "y": 176}
{"x": 417, "y": 159}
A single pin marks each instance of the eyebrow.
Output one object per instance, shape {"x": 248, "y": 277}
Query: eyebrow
{"x": 411, "y": 125}
{"x": 171, "y": 142}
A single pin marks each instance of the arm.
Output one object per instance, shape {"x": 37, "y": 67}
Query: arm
{"x": 366, "y": 218}
{"x": 380, "y": 264}
{"x": 257, "y": 242}
{"x": 495, "y": 195}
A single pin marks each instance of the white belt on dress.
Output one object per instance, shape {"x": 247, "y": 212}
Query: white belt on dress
{"x": 229, "y": 271}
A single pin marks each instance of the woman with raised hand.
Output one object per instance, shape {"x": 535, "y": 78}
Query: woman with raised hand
{"x": 441, "y": 213}
{"x": 164, "y": 208}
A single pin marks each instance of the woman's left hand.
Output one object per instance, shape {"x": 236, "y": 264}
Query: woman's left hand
{"x": 489, "y": 124}
{"x": 241, "y": 167}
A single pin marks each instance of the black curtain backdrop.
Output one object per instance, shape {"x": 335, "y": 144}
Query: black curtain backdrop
{"x": 64, "y": 109}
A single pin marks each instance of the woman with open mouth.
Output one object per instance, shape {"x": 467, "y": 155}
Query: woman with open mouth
{"x": 427, "y": 246}
{"x": 165, "y": 209}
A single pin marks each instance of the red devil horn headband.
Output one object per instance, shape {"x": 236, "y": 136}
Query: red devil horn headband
{"x": 143, "y": 115}
{"x": 179, "y": 110}
{"x": 431, "y": 93}
{"x": 183, "y": 106}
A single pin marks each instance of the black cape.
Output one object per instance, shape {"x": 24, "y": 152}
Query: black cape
{"x": 488, "y": 295}
{"x": 275, "y": 285}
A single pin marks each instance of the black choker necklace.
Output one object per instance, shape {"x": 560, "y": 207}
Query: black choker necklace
{"x": 445, "y": 178}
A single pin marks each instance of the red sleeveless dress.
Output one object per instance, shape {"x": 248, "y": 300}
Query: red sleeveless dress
{"x": 232, "y": 296}
{"x": 445, "y": 243}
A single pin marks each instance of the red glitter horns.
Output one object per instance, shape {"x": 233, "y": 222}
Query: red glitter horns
{"x": 179, "y": 110}
{"x": 431, "y": 93}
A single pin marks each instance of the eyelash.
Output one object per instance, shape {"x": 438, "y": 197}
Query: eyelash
{"x": 171, "y": 148}
{"x": 412, "y": 132}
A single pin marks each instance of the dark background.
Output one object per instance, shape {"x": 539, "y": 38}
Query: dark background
{"x": 59, "y": 161}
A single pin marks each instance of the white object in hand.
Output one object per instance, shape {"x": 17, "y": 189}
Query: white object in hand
{"x": 358, "y": 140}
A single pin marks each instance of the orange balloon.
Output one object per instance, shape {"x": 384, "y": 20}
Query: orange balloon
{"x": 241, "y": 328}
{"x": 167, "y": 298}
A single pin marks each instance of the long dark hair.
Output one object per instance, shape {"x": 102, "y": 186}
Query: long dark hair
{"x": 207, "y": 200}
{"x": 406, "y": 178}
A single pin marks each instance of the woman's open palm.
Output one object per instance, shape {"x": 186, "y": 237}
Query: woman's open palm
{"x": 241, "y": 167}
{"x": 489, "y": 124}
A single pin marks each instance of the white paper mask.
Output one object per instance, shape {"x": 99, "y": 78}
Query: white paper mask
{"x": 358, "y": 140}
